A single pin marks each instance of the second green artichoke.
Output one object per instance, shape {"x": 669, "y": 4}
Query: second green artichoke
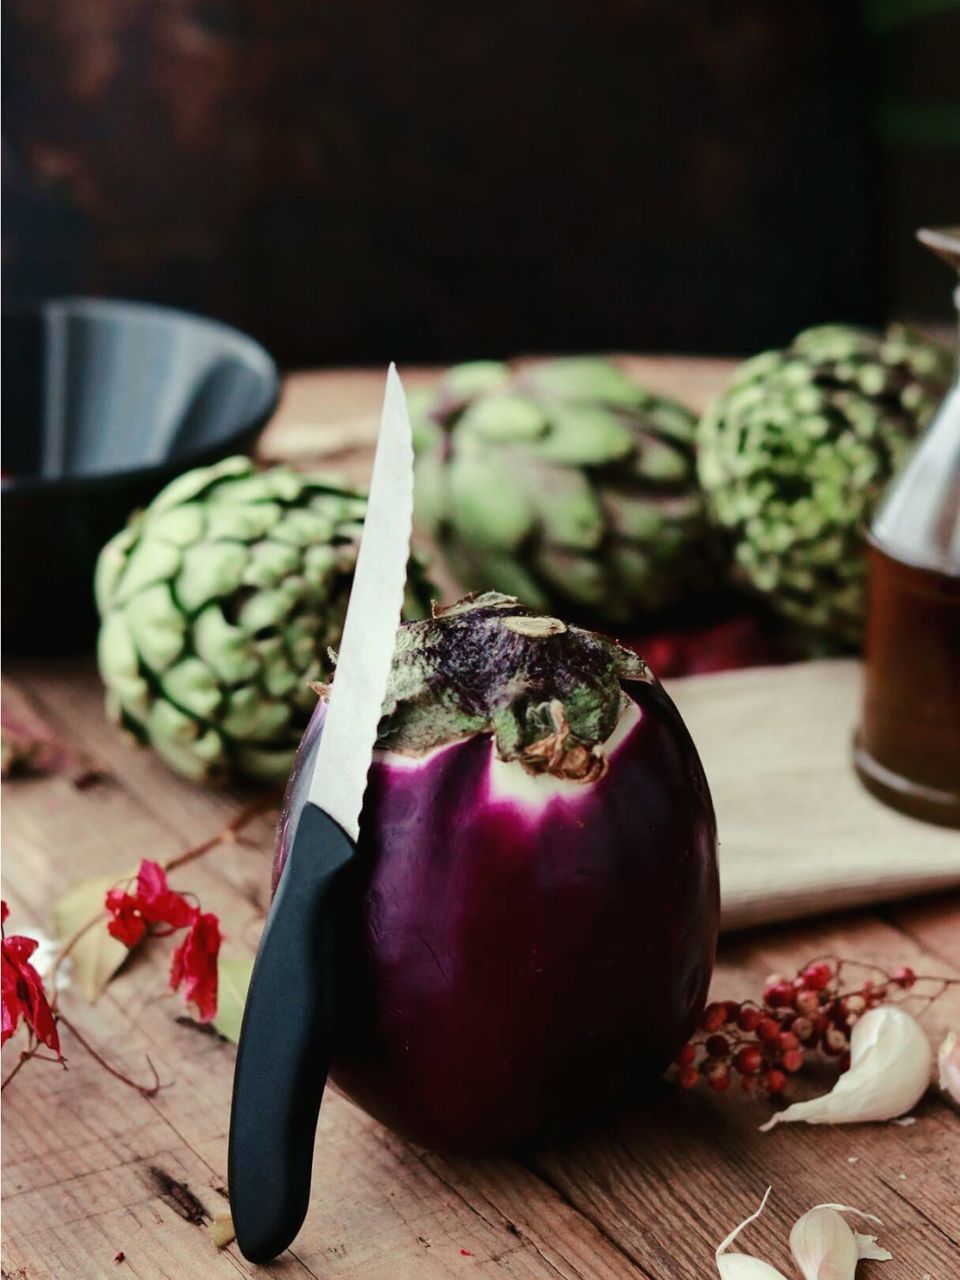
{"x": 563, "y": 483}
{"x": 797, "y": 453}
{"x": 219, "y": 603}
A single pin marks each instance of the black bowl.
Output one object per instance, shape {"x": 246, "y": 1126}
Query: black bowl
{"x": 103, "y": 403}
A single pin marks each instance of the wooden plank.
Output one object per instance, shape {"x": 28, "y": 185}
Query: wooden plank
{"x": 82, "y": 1143}
{"x": 699, "y": 1159}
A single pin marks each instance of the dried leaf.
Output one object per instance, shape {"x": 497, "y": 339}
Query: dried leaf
{"x": 221, "y": 1230}
{"x": 96, "y": 957}
{"x": 234, "y": 974}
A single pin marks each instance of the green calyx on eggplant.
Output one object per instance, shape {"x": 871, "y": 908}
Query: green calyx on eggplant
{"x": 528, "y": 930}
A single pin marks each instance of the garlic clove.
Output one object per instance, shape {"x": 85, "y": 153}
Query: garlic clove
{"x": 825, "y": 1247}
{"x": 890, "y": 1066}
{"x": 948, "y": 1066}
{"x": 743, "y": 1266}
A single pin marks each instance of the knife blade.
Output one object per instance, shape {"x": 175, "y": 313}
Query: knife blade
{"x": 285, "y": 1039}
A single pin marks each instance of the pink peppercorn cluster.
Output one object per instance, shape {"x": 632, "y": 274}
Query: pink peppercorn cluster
{"x": 763, "y": 1044}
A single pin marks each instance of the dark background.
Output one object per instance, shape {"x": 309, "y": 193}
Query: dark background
{"x": 425, "y": 180}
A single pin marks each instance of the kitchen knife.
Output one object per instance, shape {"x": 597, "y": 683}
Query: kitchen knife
{"x": 285, "y": 1039}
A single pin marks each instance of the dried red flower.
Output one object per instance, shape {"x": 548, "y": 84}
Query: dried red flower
{"x": 23, "y": 995}
{"x": 152, "y": 903}
{"x": 127, "y": 924}
{"x": 195, "y": 964}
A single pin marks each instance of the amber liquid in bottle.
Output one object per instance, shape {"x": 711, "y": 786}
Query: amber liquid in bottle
{"x": 907, "y": 751}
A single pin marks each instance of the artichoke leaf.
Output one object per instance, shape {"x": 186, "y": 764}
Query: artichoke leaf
{"x": 431, "y": 500}
{"x": 587, "y": 436}
{"x": 474, "y": 378}
{"x": 505, "y": 417}
{"x": 266, "y": 764}
{"x": 489, "y": 503}
{"x": 246, "y": 522}
{"x": 199, "y": 483}
{"x": 228, "y": 651}
{"x": 180, "y": 525}
{"x": 157, "y": 626}
{"x": 270, "y": 562}
{"x": 568, "y": 511}
{"x": 584, "y": 378}
{"x": 579, "y": 578}
{"x": 119, "y": 660}
{"x": 148, "y": 563}
{"x": 250, "y": 717}
{"x": 191, "y": 685}
{"x": 210, "y": 570}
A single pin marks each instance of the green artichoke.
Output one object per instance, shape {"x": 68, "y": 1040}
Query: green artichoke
{"x": 796, "y": 454}
{"x": 218, "y": 605}
{"x": 563, "y": 483}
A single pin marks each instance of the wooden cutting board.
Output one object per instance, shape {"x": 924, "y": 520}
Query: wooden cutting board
{"x": 799, "y": 835}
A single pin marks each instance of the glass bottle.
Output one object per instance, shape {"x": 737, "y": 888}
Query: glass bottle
{"x": 907, "y": 750}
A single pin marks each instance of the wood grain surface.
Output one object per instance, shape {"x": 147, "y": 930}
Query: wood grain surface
{"x": 91, "y": 1167}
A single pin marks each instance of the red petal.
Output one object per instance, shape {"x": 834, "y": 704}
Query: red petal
{"x": 4, "y": 912}
{"x": 19, "y": 949}
{"x": 11, "y": 1017}
{"x": 24, "y": 996}
{"x": 157, "y": 901}
{"x": 128, "y": 925}
{"x": 11, "y": 999}
{"x": 195, "y": 964}
{"x": 127, "y": 928}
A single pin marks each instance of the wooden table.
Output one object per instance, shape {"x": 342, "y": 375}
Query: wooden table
{"x": 92, "y": 1168}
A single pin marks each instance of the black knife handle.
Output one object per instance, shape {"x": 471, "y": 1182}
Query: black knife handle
{"x": 285, "y": 1044}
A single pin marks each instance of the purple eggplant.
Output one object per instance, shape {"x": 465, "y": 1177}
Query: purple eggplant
{"x": 529, "y": 932}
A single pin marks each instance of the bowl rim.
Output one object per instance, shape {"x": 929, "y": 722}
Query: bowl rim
{"x": 247, "y": 347}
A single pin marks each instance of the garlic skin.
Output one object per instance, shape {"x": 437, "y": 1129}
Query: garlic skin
{"x": 825, "y": 1247}
{"x": 948, "y": 1066}
{"x": 743, "y": 1266}
{"x": 867, "y": 1247}
{"x": 890, "y": 1066}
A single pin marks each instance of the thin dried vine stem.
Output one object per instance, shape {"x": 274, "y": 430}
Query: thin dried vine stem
{"x": 229, "y": 834}
{"x": 263, "y": 804}
{"x": 145, "y": 1090}
{"x": 25, "y": 1056}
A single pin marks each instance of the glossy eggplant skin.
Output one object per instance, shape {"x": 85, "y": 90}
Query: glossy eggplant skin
{"x": 513, "y": 971}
